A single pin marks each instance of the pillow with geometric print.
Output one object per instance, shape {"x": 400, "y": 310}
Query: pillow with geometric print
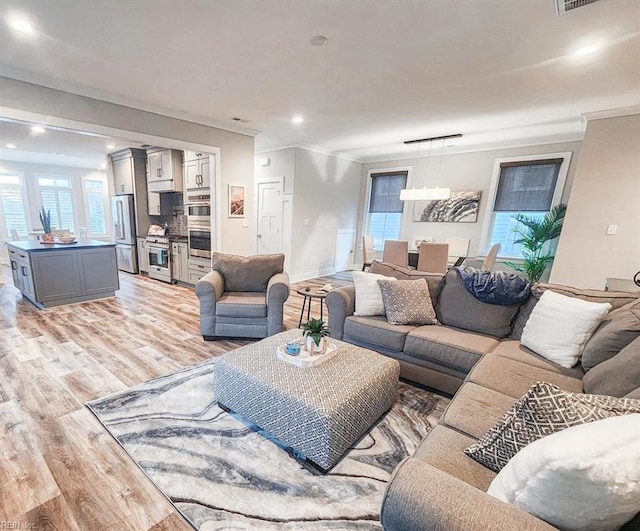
{"x": 543, "y": 410}
{"x": 408, "y": 302}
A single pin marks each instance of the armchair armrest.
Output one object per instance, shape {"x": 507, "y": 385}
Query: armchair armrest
{"x": 420, "y": 497}
{"x": 209, "y": 289}
{"x": 341, "y": 303}
{"x": 277, "y": 294}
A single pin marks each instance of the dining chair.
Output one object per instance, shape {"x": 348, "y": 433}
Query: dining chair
{"x": 491, "y": 257}
{"x": 433, "y": 257}
{"x": 396, "y": 252}
{"x": 458, "y": 250}
{"x": 14, "y": 235}
{"x": 368, "y": 252}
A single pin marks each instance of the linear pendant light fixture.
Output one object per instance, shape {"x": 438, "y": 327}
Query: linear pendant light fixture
{"x": 427, "y": 194}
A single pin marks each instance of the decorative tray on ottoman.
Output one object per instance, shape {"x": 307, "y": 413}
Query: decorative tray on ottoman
{"x": 304, "y": 359}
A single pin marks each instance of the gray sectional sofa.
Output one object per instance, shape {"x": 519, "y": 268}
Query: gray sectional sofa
{"x": 477, "y": 355}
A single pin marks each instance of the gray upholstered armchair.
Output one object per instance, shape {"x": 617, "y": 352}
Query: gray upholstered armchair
{"x": 243, "y": 296}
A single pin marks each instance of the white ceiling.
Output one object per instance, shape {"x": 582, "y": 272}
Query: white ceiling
{"x": 502, "y": 73}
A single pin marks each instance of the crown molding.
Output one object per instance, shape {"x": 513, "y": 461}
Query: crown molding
{"x": 612, "y": 113}
{"x": 311, "y": 149}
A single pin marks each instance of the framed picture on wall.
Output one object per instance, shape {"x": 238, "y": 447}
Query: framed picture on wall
{"x": 236, "y": 200}
{"x": 461, "y": 207}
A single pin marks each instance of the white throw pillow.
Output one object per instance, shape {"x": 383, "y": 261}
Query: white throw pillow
{"x": 560, "y": 326}
{"x": 368, "y": 295}
{"x": 586, "y": 477}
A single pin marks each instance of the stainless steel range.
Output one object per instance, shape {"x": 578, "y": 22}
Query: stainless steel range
{"x": 159, "y": 253}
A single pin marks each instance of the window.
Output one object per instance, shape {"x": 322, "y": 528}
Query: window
{"x": 385, "y": 208}
{"x": 95, "y": 197}
{"x": 55, "y": 193}
{"x": 526, "y": 187}
{"x": 12, "y": 205}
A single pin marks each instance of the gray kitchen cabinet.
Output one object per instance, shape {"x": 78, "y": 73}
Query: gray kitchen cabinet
{"x": 56, "y": 274}
{"x": 123, "y": 167}
{"x": 180, "y": 261}
{"x": 164, "y": 170}
{"x": 198, "y": 267}
{"x": 143, "y": 258}
{"x": 196, "y": 170}
{"x": 159, "y": 204}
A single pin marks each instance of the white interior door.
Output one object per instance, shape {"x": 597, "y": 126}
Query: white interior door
{"x": 269, "y": 217}
{"x": 345, "y": 250}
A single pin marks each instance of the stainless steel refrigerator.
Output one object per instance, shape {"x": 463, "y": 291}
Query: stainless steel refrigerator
{"x": 125, "y": 232}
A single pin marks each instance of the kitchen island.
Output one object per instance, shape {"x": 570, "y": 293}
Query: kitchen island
{"x": 55, "y": 274}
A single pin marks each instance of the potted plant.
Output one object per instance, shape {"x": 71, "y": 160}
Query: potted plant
{"x": 534, "y": 238}
{"x": 45, "y": 219}
{"x": 315, "y": 332}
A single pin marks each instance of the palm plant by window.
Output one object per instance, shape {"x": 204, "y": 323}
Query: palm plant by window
{"x": 534, "y": 237}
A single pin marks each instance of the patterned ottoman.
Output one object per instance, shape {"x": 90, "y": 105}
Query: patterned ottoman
{"x": 320, "y": 411}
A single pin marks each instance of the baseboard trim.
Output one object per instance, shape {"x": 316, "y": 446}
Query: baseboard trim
{"x": 312, "y": 274}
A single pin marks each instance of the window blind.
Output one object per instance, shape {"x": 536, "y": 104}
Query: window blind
{"x": 527, "y": 186}
{"x": 13, "y": 209}
{"x": 385, "y": 192}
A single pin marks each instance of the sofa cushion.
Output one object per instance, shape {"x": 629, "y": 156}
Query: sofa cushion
{"x": 560, "y": 326}
{"x": 444, "y": 448}
{"x": 247, "y": 273}
{"x": 617, "y": 299}
{"x": 242, "y": 304}
{"x": 368, "y": 295}
{"x": 513, "y": 378}
{"x": 573, "y": 485}
{"x": 448, "y": 346}
{"x": 544, "y": 409}
{"x": 435, "y": 280}
{"x": 376, "y": 330}
{"x": 407, "y": 302}
{"x": 617, "y": 376}
{"x": 616, "y": 331}
{"x": 475, "y": 409}
{"x": 457, "y": 307}
{"x": 514, "y": 350}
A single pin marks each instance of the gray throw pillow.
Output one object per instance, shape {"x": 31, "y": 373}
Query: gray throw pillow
{"x": 458, "y": 308}
{"x": 543, "y": 410}
{"x": 617, "y": 376}
{"x": 247, "y": 273}
{"x": 435, "y": 280}
{"x": 407, "y": 302}
{"x": 619, "y": 328}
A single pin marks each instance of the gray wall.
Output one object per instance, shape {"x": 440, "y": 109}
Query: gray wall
{"x": 606, "y": 191}
{"x": 463, "y": 171}
{"x": 236, "y": 150}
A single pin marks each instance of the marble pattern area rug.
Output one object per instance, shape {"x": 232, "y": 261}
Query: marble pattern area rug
{"x": 221, "y": 472}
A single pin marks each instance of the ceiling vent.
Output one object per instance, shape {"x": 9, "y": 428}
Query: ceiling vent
{"x": 564, "y": 6}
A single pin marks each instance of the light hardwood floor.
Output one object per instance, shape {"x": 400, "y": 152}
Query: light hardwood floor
{"x": 59, "y": 468}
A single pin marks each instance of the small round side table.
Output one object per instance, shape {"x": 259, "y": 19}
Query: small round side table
{"x": 309, "y": 294}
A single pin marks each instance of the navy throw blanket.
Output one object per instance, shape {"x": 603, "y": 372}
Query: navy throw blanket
{"x": 500, "y": 288}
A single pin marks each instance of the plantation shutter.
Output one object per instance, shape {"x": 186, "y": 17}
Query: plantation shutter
{"x": 385, "y": 192}
{"x": 13, "y": 209}
{"x": 528, "y": 186}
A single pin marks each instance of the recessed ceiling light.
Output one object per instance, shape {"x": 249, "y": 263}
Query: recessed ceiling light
{"x": 586, "y": 50}
{"x": 38, "y": 129}
{"x": 21, "y": 24}
{"x": 297, "y": 119}
{"x": 11, "y": 146}
{"x": 319, "y": 40}
{"x": 111, "y": 146}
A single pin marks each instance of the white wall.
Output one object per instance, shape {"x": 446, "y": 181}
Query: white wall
{"x": 463, "y": 171}
{"x": 18, "y": 99}
{"x": 324, "y": 190}
{"x": 606, "y": 191}
{"x": 28, "y": 172}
